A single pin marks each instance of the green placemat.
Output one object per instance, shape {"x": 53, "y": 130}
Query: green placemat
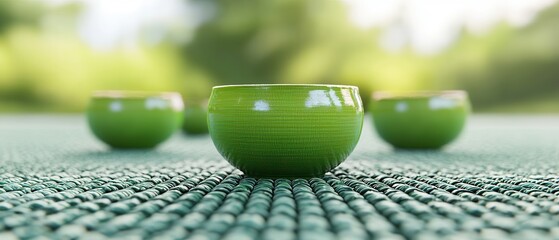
{"x": 500, "y": 180}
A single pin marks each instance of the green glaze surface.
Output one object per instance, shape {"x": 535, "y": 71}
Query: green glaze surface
{"x": 134, "y": 119}
{"x": 195, "y": 119}
{"x": 285, "y": 130}
{"x": 420, "y": 120}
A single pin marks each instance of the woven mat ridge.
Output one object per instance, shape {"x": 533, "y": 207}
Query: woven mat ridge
{"x": 499, "y": 181}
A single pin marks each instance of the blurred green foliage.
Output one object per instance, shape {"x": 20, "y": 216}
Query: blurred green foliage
{"x": 510, "y": 67}
{"x": 45, "y": 66}
{"x": 18, "y": 12}
{"x": 282, "y": 41}
{"x": 274, "y": 41}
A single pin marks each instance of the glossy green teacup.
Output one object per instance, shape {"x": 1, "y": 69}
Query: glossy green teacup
{"x": 285, "y": 130}
{"x": 195, "y": 118}
{"x": 126, "y": 119}
{"x": 420, "y": 120}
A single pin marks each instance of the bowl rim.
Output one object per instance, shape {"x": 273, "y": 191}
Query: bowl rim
{"x": 126, "y": 94}
{"x": 284, "y": 85}
{"x": 406, "y": 95}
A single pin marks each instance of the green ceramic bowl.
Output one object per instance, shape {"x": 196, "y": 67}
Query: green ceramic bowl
{"x": 420, "y": 120}
{"x": 285, "y": 130}
{"x": 124, "y": 119}
{"x": 196, "y": 119}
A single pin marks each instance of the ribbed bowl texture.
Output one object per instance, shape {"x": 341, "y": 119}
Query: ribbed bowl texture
{"x": 285, "y": 131}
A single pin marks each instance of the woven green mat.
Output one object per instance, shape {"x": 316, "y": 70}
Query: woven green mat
{"x": 499, "y": 181}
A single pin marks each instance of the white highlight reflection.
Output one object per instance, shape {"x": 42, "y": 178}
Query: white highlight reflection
{"x": 346, "y": 95}
{"x": 116, "y": 106}
{"x": 318, "y": 98}
{"x": 441, "y": 103}
{"x": 177, "y": 104}
{"x": 261, "y": 105}
{"x": 401, "y": 107}
{"x": 335, "y": 99}
{"x": 155, "y": 103}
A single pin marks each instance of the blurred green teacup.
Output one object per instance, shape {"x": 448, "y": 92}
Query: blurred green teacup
{"x": 285, "y": 130}
{"x": 129, "y": 119}
{"x": 420, "y": 120}
{"x": 195, "y": 118}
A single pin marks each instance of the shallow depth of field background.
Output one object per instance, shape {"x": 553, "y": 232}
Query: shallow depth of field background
{"x": 53, "y": 53}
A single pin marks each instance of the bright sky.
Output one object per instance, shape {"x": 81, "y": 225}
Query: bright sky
{"x": 431, "y": 25}
{"x": 427, "y": 25}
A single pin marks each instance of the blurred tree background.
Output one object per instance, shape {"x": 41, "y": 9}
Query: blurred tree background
{"x": 45, "y": 65}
